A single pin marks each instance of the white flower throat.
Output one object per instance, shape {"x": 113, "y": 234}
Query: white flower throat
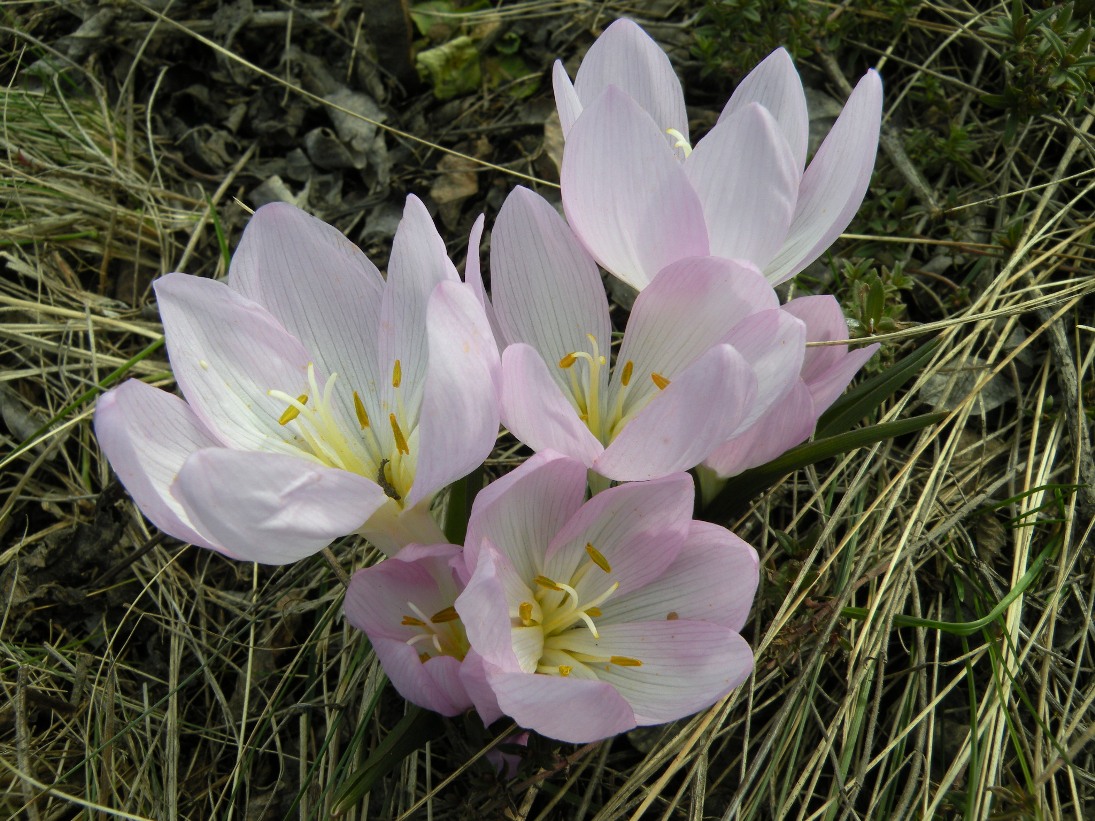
{"x": 323, "y": 433}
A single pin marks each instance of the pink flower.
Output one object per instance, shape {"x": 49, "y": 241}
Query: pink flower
{"x": 706, "y": 351}
{"x": 590, "y": 618}
{"x": 826, "y": 372}
{"x": 640, "y": 201}
{"x": 320, "y": 397}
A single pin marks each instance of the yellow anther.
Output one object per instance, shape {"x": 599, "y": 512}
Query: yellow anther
{"x": 447, "y": 614}
{"x": 397, "y": 374}
{"x": 671, "y": 615}
{"x": 411, "y": 621}
{"x": 292, "y": 412}
{"x": 524, "y": 610}
{"x": 598, "y": 558}
{"x": 565, "y": 670}
{"x": 660, "y": 381}
{"x": 595, "y": 612}
{"x": 547, "y": 583}
{"x": 359, "y": 409}
{"x": 423, "y": 657}
{"x": 567, "y": 361}
{"x": 400, "y": 440}
{"x": 624, "y": 661}
{"x": 625, "y": 377}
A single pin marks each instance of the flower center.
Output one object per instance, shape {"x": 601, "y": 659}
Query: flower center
{"x": 567, "y": 621}
{"x": 441, "y": 634}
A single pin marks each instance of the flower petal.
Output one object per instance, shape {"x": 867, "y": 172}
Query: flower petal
{"x": 271, "y": 508}
{"x": 546, "y": 288}
{"x": 713, "y": 578}
{"x": 473, "y": 274}
{"x": 836, "y": 181}
{"x": 227, "y": 353}
{"x": 436, "y": 684}
{"x": 789, "y": 422}
{"x": 458, "y": 423}
{"x": 566, "y": 98}
{"x": 774, "y": 344}
{"x": 493, "y": 591}
{"x": 627, "y": 57}
{"x": 147, "y": 434}
{"x": 775, "y": 84}
{"x": 745, "y": 176}
{"x": 686, "y": 665}
{"x": 681, "y": 426}
{"x": 625, "y": 193}
{"x": 536, "y": 411}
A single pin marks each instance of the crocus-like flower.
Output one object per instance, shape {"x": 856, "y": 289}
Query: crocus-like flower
{"x": 589, "y": 618}
{"x": 706, "y": 351}
{"x": 640, "y": 197}
{"x": 321, "y": 398}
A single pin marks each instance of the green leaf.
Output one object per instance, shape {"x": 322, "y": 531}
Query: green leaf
{"x": 451, "y": 69}
{"x": 458, "y": 509}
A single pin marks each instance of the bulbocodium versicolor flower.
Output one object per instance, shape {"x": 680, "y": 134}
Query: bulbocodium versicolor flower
{"x": 320, "y": 397}
{"x": 578, "y": 619}
{"x": 641, "y": 197}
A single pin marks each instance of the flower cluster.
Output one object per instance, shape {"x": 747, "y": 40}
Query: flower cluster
{"x": 321, "y": 398}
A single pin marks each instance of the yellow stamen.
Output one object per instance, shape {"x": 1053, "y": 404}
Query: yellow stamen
{"x": 598, "y": 558}
{"x": 292, "y": 412}
{"x": 545, "y": 582}
{"x": 681, "y": 142}
{"x": 524, "y": 610}
{"x": 624, "y": 661}
{"x": 411, "y": 621}
{"x": 567, "y": 361}
{"x": 625, "y": 377}
{"x": 400, "y": 441}
{"x": 359, "y": 409}
{"x": 565, "y": 670}
{"x": 595, "y": 612}
{"x": 660, "y": 381}
{"x": 397, "y": 374}
{"x": 447, "y": 614}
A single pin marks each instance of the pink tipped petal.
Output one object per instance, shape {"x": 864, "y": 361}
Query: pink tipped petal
{"x": 522, "y": 511}
{"x": 536, "y": 411}
{"x": 836, "y": 181}
{"x": 625, "y": 193}
{"x": 546, "y": 288}
{"x": 271, "y": 508}
{"x": 788, "y": 423}
{"x": 566, "y": 98}
{"x": 627, "y": 57}
{"x": 775, "y": 84}
{"x": 690, "y": 306}
{"x": 227, "y": 353}
{"x": 686, "y": 665}
{"x": 774, "y": 344}
{"x": 637, "y": 527}
{"x": 745, "y": 176}
{"x": 318, "y": 285}
{"x": 147, "y": 434}
{"x": 713, "y": 578}
{"x": 458, "y": 424}
{"x": 567, "y": 709}
{"x": 679, "y": 428}
{"x": 825, "y": 388}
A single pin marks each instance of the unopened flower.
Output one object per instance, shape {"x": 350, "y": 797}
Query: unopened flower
{"x": 706, "y": 351}
{"x": 590, "y": 618}
{"x": 320, "y": 397}
{"x": 641, "y": 197}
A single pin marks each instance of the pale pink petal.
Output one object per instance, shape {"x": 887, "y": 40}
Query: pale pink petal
{"x": 546, "y": 288}
{"x": 271, "y": 508}
{"x": 690, "y": 306}
{"x": 567, "y": 709}
{"x": 478, "y": 688}
{"x": 681, "y": 426}
{"x": 147, "y": 434}
{"x": 775, "y": 84}
{"x": 536, "y": 411}
{"x": 713, "y": 578}
{"x": 566, "y": 98}
{"x": 227, "y": 353}
{"x": 745, "y": 176}
{"x": 788, "y": 423}
{"x": 686, "y": 665}
{"x": 522, "y": 511}
{"x": 319, "y": 286}
{"x": 625, "y": 56}
{"x": 436, "y": 684}
{"x": 774, "y": 344}
{"x": 826, "y": 388}
{"x": 473, "y": 275}
{"x": 637, "y": 527}
{"x": 836, "y": 181}
{"x": 458, "y": 424}
{"x": 625, "y": 193}
{"x": 495, "y": 588}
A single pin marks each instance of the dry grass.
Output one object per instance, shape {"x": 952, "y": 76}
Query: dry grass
{"x": 924, "y": 628}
